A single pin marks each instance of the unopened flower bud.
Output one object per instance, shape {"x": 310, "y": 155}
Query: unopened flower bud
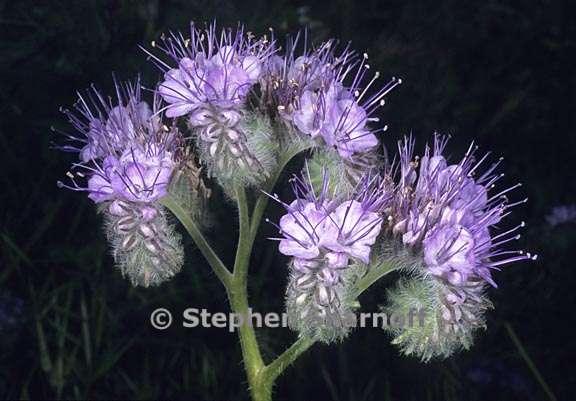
{"x": 145, "y": 247}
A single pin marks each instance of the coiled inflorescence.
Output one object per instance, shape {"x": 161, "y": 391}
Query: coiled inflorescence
{"x": 325, "y": 234}
{"x": 210, "y": 85}
{"x": 127, "y": 157}
{"x": 445, "y": 214}
{"x": 327, "y": 95}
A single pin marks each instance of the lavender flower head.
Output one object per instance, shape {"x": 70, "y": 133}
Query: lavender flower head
{"x": 446, "y": 215}
{"x": 209, "y": 86}
{"x": 447, "y": 211}
{"x": 214, "y": 70}
{"x": 127, "y": 156}
{"x": 125, "y": 152}
{"x": 327, "y": 96}
{"x": 325, "y": 234}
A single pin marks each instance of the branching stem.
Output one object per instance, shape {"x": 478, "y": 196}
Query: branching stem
{"x": 261, "y": 377}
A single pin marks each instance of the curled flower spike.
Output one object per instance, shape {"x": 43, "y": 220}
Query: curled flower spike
{"x": 324, "y": 234}
{"x": 210, "y": 84}
{"x": 448, "y": 212}
{"x": 128, "y": 157}
{"x": 445, "y": 215}
{"x": 145, "y": 247}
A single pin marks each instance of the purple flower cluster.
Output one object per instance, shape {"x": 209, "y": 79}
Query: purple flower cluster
{"x": 209, "y": 86}
{"x": 433, "y": 219}
{"x": 324, "y": 226}
{"x": 249, "y": 109}
{"x": 321, "y": 94}
{"x": 311, "y": 92}
{"x": 127, "y": 158}
{"x": 447, "y": 212}
{"x": 325, "y": 235}
{"x": 213, "y": 71}
{"x": 125, "y": 152}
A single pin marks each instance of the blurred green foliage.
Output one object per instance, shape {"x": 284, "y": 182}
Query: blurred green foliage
{"x": 495, "y": 71}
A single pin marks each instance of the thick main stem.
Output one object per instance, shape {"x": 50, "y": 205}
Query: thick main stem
{"x": 238, "y": 294}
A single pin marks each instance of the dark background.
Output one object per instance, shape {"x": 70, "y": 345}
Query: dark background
{"x": 498, "y": 72}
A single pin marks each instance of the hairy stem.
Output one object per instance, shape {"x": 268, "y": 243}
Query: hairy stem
{"x": 263, "y": 198}
{"x": 276, "y": 367}
{"x": 260, "y": 380}
{"x": 238, "y": 294}
{"x": 372, "y": 276}
{"x": 219, "y": 268}
{"x": 244, "y": 239}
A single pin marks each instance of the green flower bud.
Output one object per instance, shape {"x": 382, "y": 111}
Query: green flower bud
{"x": 146, "y": 248}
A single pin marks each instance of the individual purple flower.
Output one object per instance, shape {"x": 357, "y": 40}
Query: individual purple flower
{"x": 99, "y": 184}
{"x": 142, "y": 175}
{"x": 304, "y": 229}
{"x": 450, "y": 251}
{"x": 125, "y": 153}
{"x": 307, "y": 118}
{"x": 353, "y": 229}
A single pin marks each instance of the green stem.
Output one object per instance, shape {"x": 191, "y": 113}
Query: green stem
{"x": 276, "y": 367}
{"x": 373, "y": 275}
{"x": 262, "y": 200}
{"x": 529, "y": 362}
{"x": 244, "y": 239}
{"x": 238, "y": 294}
{"x": 258, "y": 378}
{"x": 261, "y": 377}
{"x": 219, "y": 268}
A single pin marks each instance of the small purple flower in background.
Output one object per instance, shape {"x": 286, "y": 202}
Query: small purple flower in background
{"x": 490, "y": 372}
{"x": 561, "y": 215}
{"x": 11, "y": 312}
